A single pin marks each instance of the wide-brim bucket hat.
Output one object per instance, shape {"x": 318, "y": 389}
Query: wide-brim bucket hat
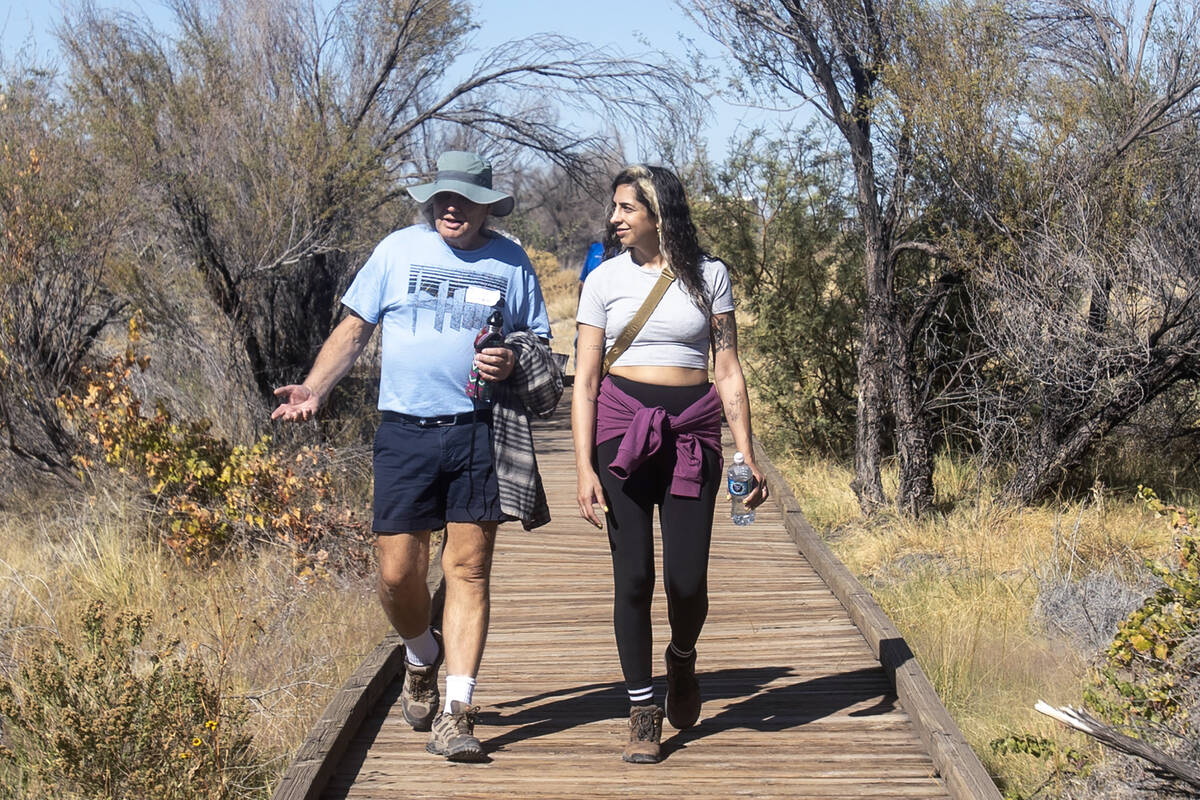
{"x": 468, "y": 175}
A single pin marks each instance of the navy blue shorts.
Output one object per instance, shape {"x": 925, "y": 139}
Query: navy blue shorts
{"x": 428, "y": 476}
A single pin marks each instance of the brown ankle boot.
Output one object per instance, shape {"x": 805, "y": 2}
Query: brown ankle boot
{"x": 645, "y": 731}
{"x": 683, "y": 690}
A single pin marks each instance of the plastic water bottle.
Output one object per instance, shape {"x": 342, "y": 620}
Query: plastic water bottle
{"x": 491, "y": 335}
{"x": 741, "y": 483}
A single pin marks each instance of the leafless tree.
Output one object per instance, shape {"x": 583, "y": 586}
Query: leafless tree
{"x": 278, "y": 137}
{"x": 560, "y": 215}
{"x": 58, "y": 227}
{"x": 1090, "y": 311}
{"x": 837, "y": 55}
{"x": 1087, "y": 329}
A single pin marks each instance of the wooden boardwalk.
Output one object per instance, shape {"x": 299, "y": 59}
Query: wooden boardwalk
{"x": 796, "y": 700}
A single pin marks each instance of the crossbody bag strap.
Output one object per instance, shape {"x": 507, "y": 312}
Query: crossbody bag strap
{"x": 625, "y": 338}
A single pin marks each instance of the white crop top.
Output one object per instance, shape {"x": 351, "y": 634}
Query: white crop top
{"x": 675, "y": 335}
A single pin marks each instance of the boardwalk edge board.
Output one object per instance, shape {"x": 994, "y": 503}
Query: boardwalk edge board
{"x": 964, "y": 774}
{"x": 316, "y": 759}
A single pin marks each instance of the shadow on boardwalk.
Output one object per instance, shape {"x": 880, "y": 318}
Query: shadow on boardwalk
{"x": 797, "y": 702}
{"x": 765, "y": 708}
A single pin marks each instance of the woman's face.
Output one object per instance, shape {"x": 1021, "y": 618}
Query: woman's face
{"x": 636, "y": 227}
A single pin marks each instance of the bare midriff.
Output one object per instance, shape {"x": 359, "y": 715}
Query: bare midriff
{"x": 663, "y": 376}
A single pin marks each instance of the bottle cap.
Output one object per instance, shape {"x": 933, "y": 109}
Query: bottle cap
{"x": 738, "y": 458}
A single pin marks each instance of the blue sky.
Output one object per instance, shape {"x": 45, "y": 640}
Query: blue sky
{"x": 624, "y": 24}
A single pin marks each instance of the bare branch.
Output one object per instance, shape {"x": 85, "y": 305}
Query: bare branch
{"x": 1084, "y": 722}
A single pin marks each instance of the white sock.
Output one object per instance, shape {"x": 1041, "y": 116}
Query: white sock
{"x": 641, "y": 696}
{"x": 422, "y": 650}
{"x": 460, "y": 688}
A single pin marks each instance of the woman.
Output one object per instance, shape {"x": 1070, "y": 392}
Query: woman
{"x": 650, "y": 433}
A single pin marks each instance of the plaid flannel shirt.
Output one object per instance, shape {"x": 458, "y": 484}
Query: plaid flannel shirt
{"x": 534, "y": 387}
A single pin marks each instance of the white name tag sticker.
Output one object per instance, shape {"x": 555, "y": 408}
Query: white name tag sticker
{"x": 481, "y": 296}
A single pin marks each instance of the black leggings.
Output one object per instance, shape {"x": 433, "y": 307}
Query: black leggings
{"x": 686, "y": 525}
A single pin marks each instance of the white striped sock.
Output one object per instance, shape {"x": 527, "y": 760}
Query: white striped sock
{"x": 642, "y": 695}
{"x": 679, "y": 653}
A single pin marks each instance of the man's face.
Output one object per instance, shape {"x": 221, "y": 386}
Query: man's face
{"x": 459, "y": 220}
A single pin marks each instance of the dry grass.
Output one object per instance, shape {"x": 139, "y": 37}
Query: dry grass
{"x": 282, "y": 644}
{"x": 963, "y": 587}
{"x": 560, "y": 288}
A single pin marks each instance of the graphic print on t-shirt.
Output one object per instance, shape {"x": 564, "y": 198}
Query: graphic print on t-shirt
{"x": 444, "y": 292}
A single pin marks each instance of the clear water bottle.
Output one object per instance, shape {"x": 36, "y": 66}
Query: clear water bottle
{"x": 741, "y": 483}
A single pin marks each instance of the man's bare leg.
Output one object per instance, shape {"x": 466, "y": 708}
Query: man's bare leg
{"x": 403, "y": 569}
{"x": 467, "y": 564}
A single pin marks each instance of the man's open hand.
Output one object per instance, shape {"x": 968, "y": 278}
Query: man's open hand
{"x": 298, "y": 403}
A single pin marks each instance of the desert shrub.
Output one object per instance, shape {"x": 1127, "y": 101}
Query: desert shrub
{"x": 1063, "y": 760}
{"x": 1151, "y": 674}
{"x": 210, "y": 496}
{"x": 116, "y": 720}
{"x": 775, "y": 214}
{"x": 1146, "y": 681}
{"x": 1089, "y": 611}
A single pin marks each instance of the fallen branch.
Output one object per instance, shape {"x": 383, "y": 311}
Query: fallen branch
{"x": 1080, "y": 720}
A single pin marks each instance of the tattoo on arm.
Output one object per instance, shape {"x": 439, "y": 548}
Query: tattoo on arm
{"x": 733, "y": 410}
{"x": 723, "y": 332}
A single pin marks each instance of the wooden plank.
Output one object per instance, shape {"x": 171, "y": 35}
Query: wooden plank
{"x": 965, "y": 775}
{"x": 317, "y": 758}
{"x": 796, "y": 703}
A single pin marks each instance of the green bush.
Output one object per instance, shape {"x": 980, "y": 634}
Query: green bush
{"x": 115, "y": 721}
{"x": 775, "y": 213}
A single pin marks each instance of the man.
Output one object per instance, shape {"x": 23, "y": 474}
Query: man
{"x": 432, "y": 287}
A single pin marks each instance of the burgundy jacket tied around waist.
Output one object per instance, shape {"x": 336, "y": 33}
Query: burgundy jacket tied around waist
{"x": 647, "y": 429}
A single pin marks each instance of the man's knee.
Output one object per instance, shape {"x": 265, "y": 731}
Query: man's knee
{"x": 468, "y": 567}
{"x": 403, "y": 560}
{"x": 468, "y": 554}
{"x": 396, "y": 577}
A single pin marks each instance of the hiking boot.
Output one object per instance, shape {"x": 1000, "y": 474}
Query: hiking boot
{"x": 419, "y": 698}
{"x": 454, "y": 734}
{"x": 645, "y": 731}
{"x": 683, "y": 690}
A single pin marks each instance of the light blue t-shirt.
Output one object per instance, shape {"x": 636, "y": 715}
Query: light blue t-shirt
{"x": 431, "y": 300}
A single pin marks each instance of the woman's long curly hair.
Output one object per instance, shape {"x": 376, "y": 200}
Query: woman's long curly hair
{"x": 662, "y": 193}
